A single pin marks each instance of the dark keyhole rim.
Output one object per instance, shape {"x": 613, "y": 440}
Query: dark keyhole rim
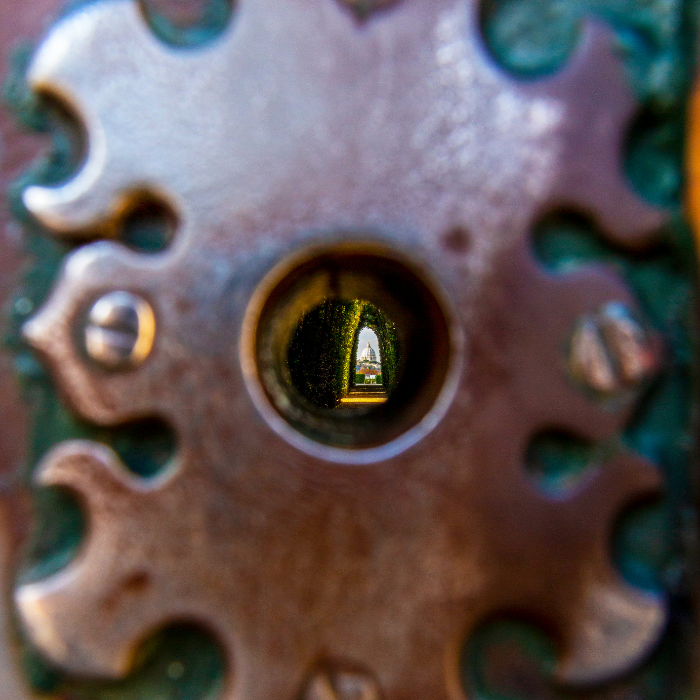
{"x": 398, "y": 285}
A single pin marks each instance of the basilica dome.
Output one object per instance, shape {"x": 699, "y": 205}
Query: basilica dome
{"x": 368, "y": 354}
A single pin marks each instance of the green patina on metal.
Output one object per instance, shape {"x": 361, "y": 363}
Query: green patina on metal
{"x": 213, "y": 19}
{"x": 177, "y": 663}
{"x": 508, "y": 660}
{"x": 653, "y": 542}
{"x": 557, "y": 461}
{"x": 651, "y": 547}
{"x": 512, "y": 659}
{"x": 661, "y": 428}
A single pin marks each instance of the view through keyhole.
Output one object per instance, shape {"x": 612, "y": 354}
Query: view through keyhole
{"x": 368, "y": 361}
{"x": 334, "y": 356}
{"x": 307, "y": 354}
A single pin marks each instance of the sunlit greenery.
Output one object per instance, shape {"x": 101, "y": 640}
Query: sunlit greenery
{"x": 324, "y": 347}
{"x": 385, "y": 330}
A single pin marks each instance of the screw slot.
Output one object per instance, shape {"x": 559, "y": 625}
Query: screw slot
{"x": 120, "y": 330}
{"x": 611, "y": 351}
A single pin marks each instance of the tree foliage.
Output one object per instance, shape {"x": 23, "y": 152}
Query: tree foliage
{"x": 323, "y": 349}
{"x": 385, "y": 330}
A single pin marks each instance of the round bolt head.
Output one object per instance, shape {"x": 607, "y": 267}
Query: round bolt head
{"x": 611, "y": 351}
{"x": 120, "y": 330}
{"x": 590, "y": 362}
{"x": 635, "y": 352}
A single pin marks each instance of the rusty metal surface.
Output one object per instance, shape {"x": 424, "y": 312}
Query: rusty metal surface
{"x": 398, "y": 130}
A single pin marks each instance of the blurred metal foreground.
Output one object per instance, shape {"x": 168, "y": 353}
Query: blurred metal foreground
{"x": 18, "y": 149}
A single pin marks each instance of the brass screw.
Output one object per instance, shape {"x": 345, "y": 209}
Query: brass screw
{"x": 611, "y": 351}
{"x": 341, "y": 686}
{"x": 120, "y": 330}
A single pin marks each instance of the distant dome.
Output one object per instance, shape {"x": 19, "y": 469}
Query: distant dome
{"x": 368, "y": 354}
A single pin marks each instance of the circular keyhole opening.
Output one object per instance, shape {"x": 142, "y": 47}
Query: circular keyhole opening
{"x": 350, "y": 347}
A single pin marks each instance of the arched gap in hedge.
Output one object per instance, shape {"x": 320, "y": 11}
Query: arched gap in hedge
{"x": 371, "y": 317}
{"x": 323, "y": 350}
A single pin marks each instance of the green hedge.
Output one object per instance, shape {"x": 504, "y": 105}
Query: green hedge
{"x": 371, "y": 317}
{"x": 319, "y": 354}
{"x": 359, "y": 378}
{"x": 323, "y": 350}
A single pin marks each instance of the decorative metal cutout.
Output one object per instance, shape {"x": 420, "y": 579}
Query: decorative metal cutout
{"x": 296, "y": 554}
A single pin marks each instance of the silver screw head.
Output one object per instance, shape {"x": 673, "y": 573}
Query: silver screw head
{"x": 611, "y": 351}
{"x": 120, "y": 330}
